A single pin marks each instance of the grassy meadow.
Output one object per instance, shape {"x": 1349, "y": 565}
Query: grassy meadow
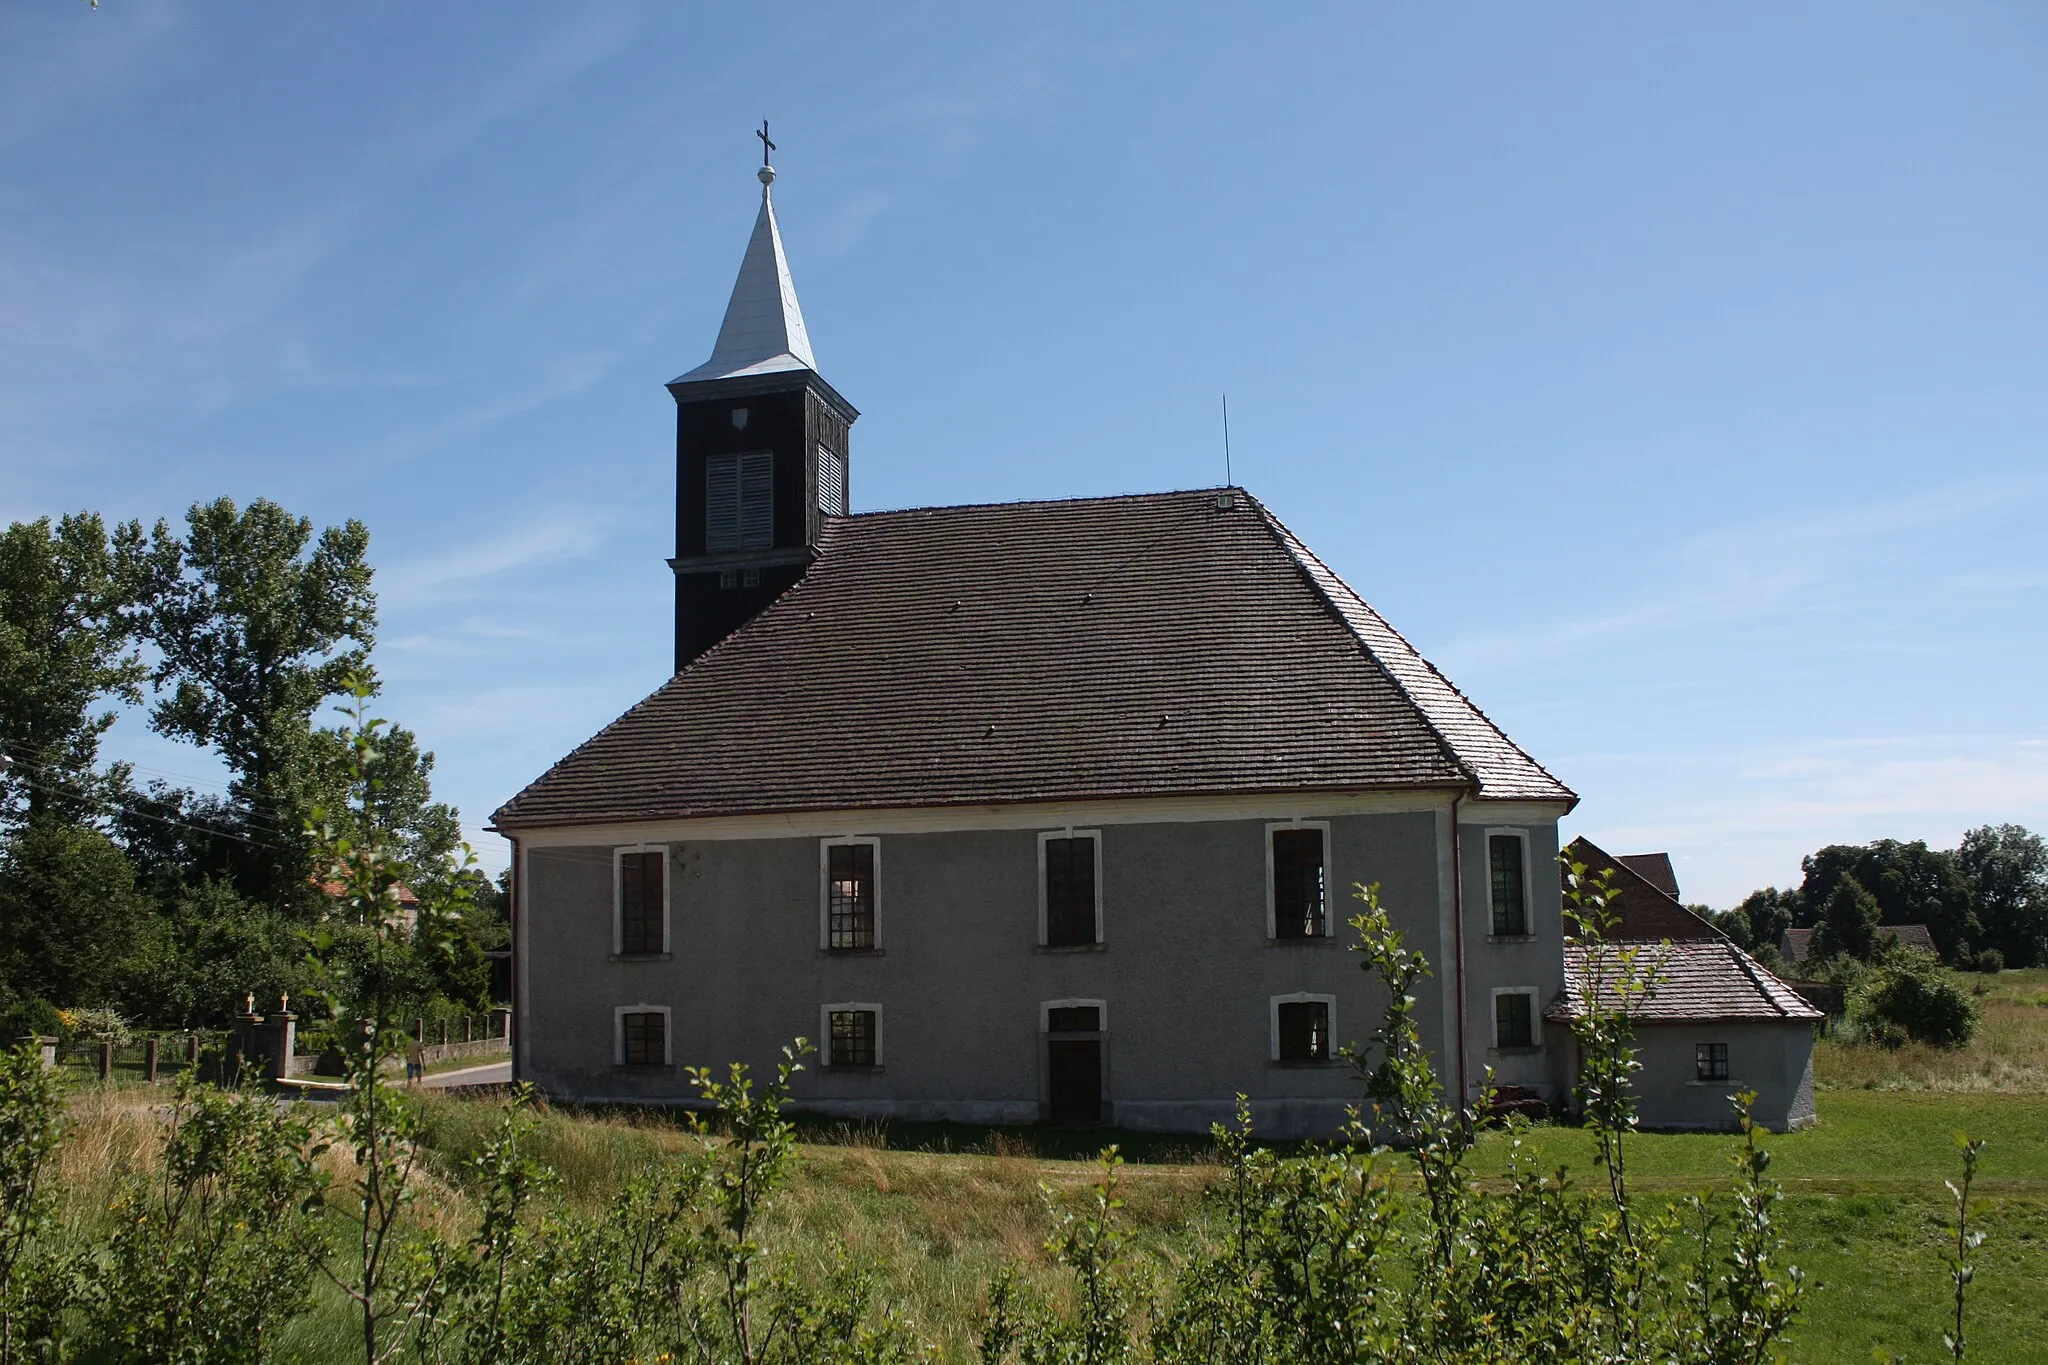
{"x": 940, "y": 1210}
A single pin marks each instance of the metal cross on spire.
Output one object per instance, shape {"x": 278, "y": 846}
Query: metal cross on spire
{"x": 766, "y": 145}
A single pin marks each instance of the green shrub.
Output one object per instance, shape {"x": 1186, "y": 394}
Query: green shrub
{"x": 1911, "y": 997}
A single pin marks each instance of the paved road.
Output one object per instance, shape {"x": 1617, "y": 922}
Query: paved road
{"x": 491, "y": 1073}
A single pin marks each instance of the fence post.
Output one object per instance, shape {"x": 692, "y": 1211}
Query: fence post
{"x": 444, "y": 1032}
{"x": 106, "y": 1060}
{"x": 149, "y": 1060}
{"x": 419, "y": 1029}
{"x": 468, "y": 1029}
{"x": 192, "y": 1052}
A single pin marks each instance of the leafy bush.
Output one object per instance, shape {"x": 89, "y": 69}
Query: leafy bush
{"x": 1989, "y": 961}
{"x": 1911, "y": 997}
{"x": 97, "y": 1026}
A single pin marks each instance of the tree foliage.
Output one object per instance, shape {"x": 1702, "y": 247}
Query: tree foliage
{"x": 1848, "y": 923}
{"x": 2007, "y": 866}
{"x": 1911, "y": 883}
{"x": 65, "y": 651}
{"x": 256, "y": 623}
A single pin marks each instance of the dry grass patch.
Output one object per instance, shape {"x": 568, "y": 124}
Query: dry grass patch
{"x": 2008, "y": 1055}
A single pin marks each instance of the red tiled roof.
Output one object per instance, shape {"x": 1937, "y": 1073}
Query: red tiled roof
{"x": 1654, "y": 868}
{"x": 1100, "y": 647}
{"x": 1647, "y": 912}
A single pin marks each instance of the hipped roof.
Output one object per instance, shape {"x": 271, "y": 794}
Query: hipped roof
{"x": 1163, "y": 644}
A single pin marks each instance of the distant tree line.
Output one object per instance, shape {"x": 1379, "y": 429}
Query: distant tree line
{"x": 163, "y": 902}
{"x": 1985, "y": 902}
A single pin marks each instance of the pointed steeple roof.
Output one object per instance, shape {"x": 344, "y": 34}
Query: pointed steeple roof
{"x": 763, "y": 332}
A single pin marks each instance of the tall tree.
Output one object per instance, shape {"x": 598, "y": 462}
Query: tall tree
{"x": 257, "y": 622}
{"x": 1848, "y": 922}
{"x": 1913, "y": 884}
{"x": 2008, "y": 870}
{"x": 65, "y": 649}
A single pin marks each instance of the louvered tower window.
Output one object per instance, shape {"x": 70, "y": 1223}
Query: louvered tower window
{"x": 739, "y": 502}
{"x": 831, "y": 482}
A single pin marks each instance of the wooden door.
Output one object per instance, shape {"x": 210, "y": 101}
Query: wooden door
{"x": 1074, "y": 1077}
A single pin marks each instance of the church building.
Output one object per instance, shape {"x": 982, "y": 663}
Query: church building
{"x": 1021, "y": 812}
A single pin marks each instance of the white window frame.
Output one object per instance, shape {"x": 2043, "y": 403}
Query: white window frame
{"x": 1044, "y": 836}
{"x": 825, "y": 1013}
{"x": 619, "y": 894}
{"x": 668, "y": 1032}
{"x": 1329, "y": 910}
{"x": 1535, "y": 1018}
{"x": 873, "y": 841}
{"x": 1046, "y": 1007}
{"x": 1273, "y": 1004}
{"x": 1528, "y": 883}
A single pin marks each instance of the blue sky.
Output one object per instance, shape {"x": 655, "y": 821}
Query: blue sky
{"x": 1674, "y": 378}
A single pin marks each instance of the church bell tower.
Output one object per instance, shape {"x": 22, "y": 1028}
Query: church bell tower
{"x": 761, "y": 450}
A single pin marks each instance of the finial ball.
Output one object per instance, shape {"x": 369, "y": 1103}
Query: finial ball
{"x": 766, "y": 175}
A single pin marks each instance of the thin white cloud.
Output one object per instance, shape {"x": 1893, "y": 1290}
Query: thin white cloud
{"x": 1744, "y": 572}
{"x": 467, "y": 570}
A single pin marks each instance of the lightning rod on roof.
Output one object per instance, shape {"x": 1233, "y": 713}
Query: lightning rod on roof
{"x": 1226, "y": 440}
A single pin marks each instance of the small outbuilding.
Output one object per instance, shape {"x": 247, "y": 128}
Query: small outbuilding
{"x": 1714, "y": 1023}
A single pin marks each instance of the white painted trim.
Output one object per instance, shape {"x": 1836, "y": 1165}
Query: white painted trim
{"x": 1493, "y": 1014}
{"x": 1478, "y": 810}
{"x": 1528, "y": 877}
{"x": 1329, "y": 910}
{"x": 1068, "y": 833}
{"x": 825, "y": 889}
{"x": 668, "y": 1032}
{"x": 1273, "y": 1004}
{"x": 1032, "y": 815}
{"x": 825, "y": 1013}
{"x": 1046, "y": 1007}
{"x": 618, "y": 893}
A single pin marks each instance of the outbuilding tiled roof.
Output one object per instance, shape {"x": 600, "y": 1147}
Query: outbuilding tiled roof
{"x": 1700, "y": 979}
{"x": 1102, "y": 647}
{"x": 1700, "y": 975}
{"x": 1654, "y": 868}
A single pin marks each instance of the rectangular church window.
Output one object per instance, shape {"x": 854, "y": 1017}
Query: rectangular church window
{"x": 643, "y": 902}
{"x": 1300, "y": 899}
{"x": 1070, "y": 891}
{"x": 854, "y": 1038}
{"x": 643, "y": 1038}
{"x": 850, "y": 895}
{"x": 739, "y": 502}
{"x": 1303, "y": 1030}
{"x": 1510, "y": 900}
{"x": 1514, "y": 1019}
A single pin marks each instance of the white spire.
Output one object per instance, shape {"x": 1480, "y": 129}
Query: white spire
{"x": 763, "y": 331}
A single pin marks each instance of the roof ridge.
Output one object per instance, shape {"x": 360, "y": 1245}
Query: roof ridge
{"x": 1157, "y": 496}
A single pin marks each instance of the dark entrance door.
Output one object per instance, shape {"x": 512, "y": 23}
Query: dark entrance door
{"x": 1074, "y": 1074}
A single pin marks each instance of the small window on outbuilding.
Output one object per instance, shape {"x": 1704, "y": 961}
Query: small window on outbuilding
{"x": 1510, "y": 893}
{"x": 1710, "y": 1061}
{"x": 1514, "y": 1019}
